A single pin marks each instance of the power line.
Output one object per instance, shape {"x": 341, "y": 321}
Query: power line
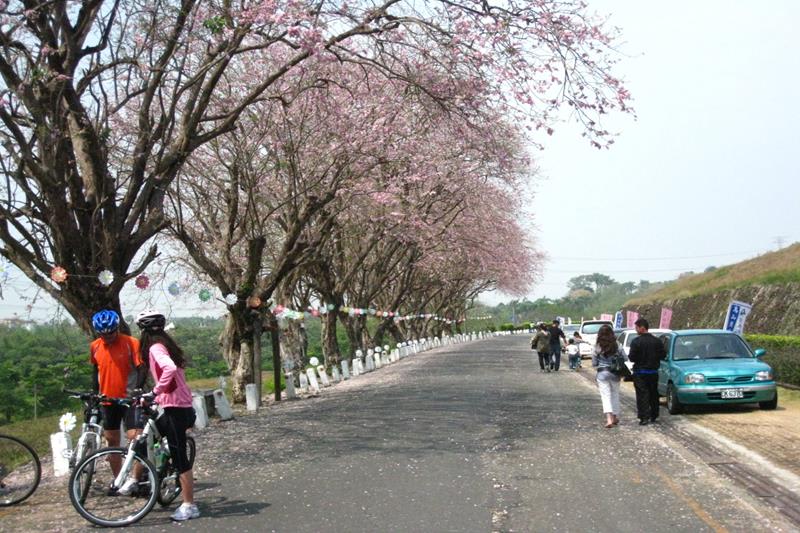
{"x": 651, "y": 258}
{"x": 623, "y": 271}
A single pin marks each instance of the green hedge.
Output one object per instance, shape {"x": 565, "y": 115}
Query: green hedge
{"x": 783, "y": 354}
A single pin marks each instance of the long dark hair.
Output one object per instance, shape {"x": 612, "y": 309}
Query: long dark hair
{"x": 606, "y": 340}
{"x": 151, "y": 337}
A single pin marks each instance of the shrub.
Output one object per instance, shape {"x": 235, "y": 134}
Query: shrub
{"x": 508, "y": 326}
{"x": 783, "y": 355}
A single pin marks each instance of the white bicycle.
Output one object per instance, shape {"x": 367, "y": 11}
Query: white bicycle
{"x": 147, "y": 457}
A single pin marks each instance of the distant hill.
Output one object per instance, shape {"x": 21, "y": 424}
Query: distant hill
{"x": 771, "y": 282}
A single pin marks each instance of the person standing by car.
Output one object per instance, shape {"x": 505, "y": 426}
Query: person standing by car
{"x": 646, "y": 355}
{"x": 541, "y": 343}
{"x": 556, "y": 334}
{"x": 117, "y": 371}
{"x": 607, "y": 382}
{"x": 166, "y": 362}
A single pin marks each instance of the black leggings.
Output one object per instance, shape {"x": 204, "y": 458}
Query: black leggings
{"x": 173, "y": 425}
{"x": 544, "y": 360}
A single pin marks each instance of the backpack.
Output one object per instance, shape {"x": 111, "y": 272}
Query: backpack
{"x": 618, "y": 366}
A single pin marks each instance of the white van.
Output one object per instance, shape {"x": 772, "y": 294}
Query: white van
{"x": 588, "y": 332}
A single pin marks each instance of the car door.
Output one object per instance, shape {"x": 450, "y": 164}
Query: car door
{"x": 663, "y": 368}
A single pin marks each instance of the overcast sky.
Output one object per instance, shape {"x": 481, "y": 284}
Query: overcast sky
{"x": 707, "y": 174}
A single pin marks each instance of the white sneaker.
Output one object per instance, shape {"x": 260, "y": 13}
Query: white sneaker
{"x": 186, "y": 512}
{"x": 129, "y": 487}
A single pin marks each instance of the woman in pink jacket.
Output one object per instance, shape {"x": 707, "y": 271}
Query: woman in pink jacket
{"x": 166, "y": 362}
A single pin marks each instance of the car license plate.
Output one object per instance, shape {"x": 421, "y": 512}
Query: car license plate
{"x": 729, "y": 394}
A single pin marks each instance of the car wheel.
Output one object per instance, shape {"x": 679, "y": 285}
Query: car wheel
{"x": 771, "y": 404}
{"x": 673, "y": 404}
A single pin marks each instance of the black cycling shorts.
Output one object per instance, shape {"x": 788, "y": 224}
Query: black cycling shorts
{"x": 173, "y": 425}
{"x": 113, "y": 415}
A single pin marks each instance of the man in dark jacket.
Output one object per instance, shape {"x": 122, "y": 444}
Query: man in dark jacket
{"x": 646, "y": 354}
{"x": 556, "y": 334}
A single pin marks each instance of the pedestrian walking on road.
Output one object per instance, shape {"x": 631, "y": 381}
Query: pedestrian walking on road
{"x": 646, "y": 354}
{"x": 574, "y": 355}
{"x": 556, "y": 334}
{"x": 607, "y": 382}
{"x": 541, "y": 343}
{"x": 166, "y": 362}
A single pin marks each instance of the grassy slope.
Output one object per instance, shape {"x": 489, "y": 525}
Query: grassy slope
{"x": 782, "y": 266}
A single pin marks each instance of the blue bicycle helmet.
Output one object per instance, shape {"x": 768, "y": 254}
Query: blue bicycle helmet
{"x": 105, "y": 321}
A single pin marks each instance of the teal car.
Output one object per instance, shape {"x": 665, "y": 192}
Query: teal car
{"x": 713, "y": 367}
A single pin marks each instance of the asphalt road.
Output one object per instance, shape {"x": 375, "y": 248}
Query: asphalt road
{"x": 465, "y": 438}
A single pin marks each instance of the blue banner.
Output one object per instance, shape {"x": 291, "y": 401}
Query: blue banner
{"x": 618, "y": 319}
{"x": 735, "y": 317}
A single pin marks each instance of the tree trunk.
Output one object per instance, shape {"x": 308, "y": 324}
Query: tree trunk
{"x": 380, "y": 331}
{"x": 353, "y": 334}
{"x": 237, "y": 348}
{"x": 293, "y": 344}
{"x": 257, "y": 356}
{"x": 277, "y": 366}
{"x": 330, "y": 345}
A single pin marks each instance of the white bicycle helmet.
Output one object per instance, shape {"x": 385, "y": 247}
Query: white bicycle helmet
{"x": 150, "y": 319}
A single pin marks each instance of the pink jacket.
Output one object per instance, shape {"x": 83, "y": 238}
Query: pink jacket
{"x": 171, "y": 389}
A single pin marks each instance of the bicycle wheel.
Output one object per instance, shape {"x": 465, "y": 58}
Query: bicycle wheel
{"x": 89, "y": 447}
{"x": 20, "y": 470}
{"x": 102, "y": 504}
{"x": 169, "y": 485}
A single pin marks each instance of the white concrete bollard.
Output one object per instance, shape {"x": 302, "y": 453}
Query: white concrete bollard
{"x": 199, "y": 404}
{"x": 370, "y": 362}
{"x": 291, "y": 393}
{"x": 376, "y": 357}
{"x": 303, "y": 383}
{"x": 335, "y": 372}
{"x": 345, "y": 370}
{"x": 222, "y": 406}
{"x": 60, "y": 444}
{"x": 251, "y": 397}
{"x": 313, "y": 385}
{"x": 357, "y": 369}
{"x": 323, "y": 376}
{"x": 394, "y": 356}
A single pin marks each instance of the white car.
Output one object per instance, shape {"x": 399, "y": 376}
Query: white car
{"x": 588, "y": 332}
{"x": 625, "y": 338}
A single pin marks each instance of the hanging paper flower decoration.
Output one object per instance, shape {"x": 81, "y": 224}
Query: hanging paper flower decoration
{"x": 58, "y": 274}
{"x": 205, "y": 295}
{"x": 142, "y": 281}
{"x": 254, "y": 302}
{"x": 331, "y": 307}
{"x": 230, "y": 299}
{"x": 106, "y": 278}
{"x": 314, "y": 361}
{"x": 67, "y": 422}
{"x": 174, "y": 289}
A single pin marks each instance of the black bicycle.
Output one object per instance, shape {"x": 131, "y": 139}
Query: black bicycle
{"x": 20, "y": 470}
{"x": 146, "y": 459}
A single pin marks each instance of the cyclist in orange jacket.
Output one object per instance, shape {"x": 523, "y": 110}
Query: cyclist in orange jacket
{"x": 118, "y": 370}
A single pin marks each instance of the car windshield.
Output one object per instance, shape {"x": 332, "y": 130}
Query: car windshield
{"x": 710, "y": 346}
{"x": 630, "y": 338}
{"x": 570, "y": 329}
{"x": 592, "y": 329}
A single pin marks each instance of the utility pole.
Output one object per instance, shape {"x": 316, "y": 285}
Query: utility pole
{"x": 779, "y": 240}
